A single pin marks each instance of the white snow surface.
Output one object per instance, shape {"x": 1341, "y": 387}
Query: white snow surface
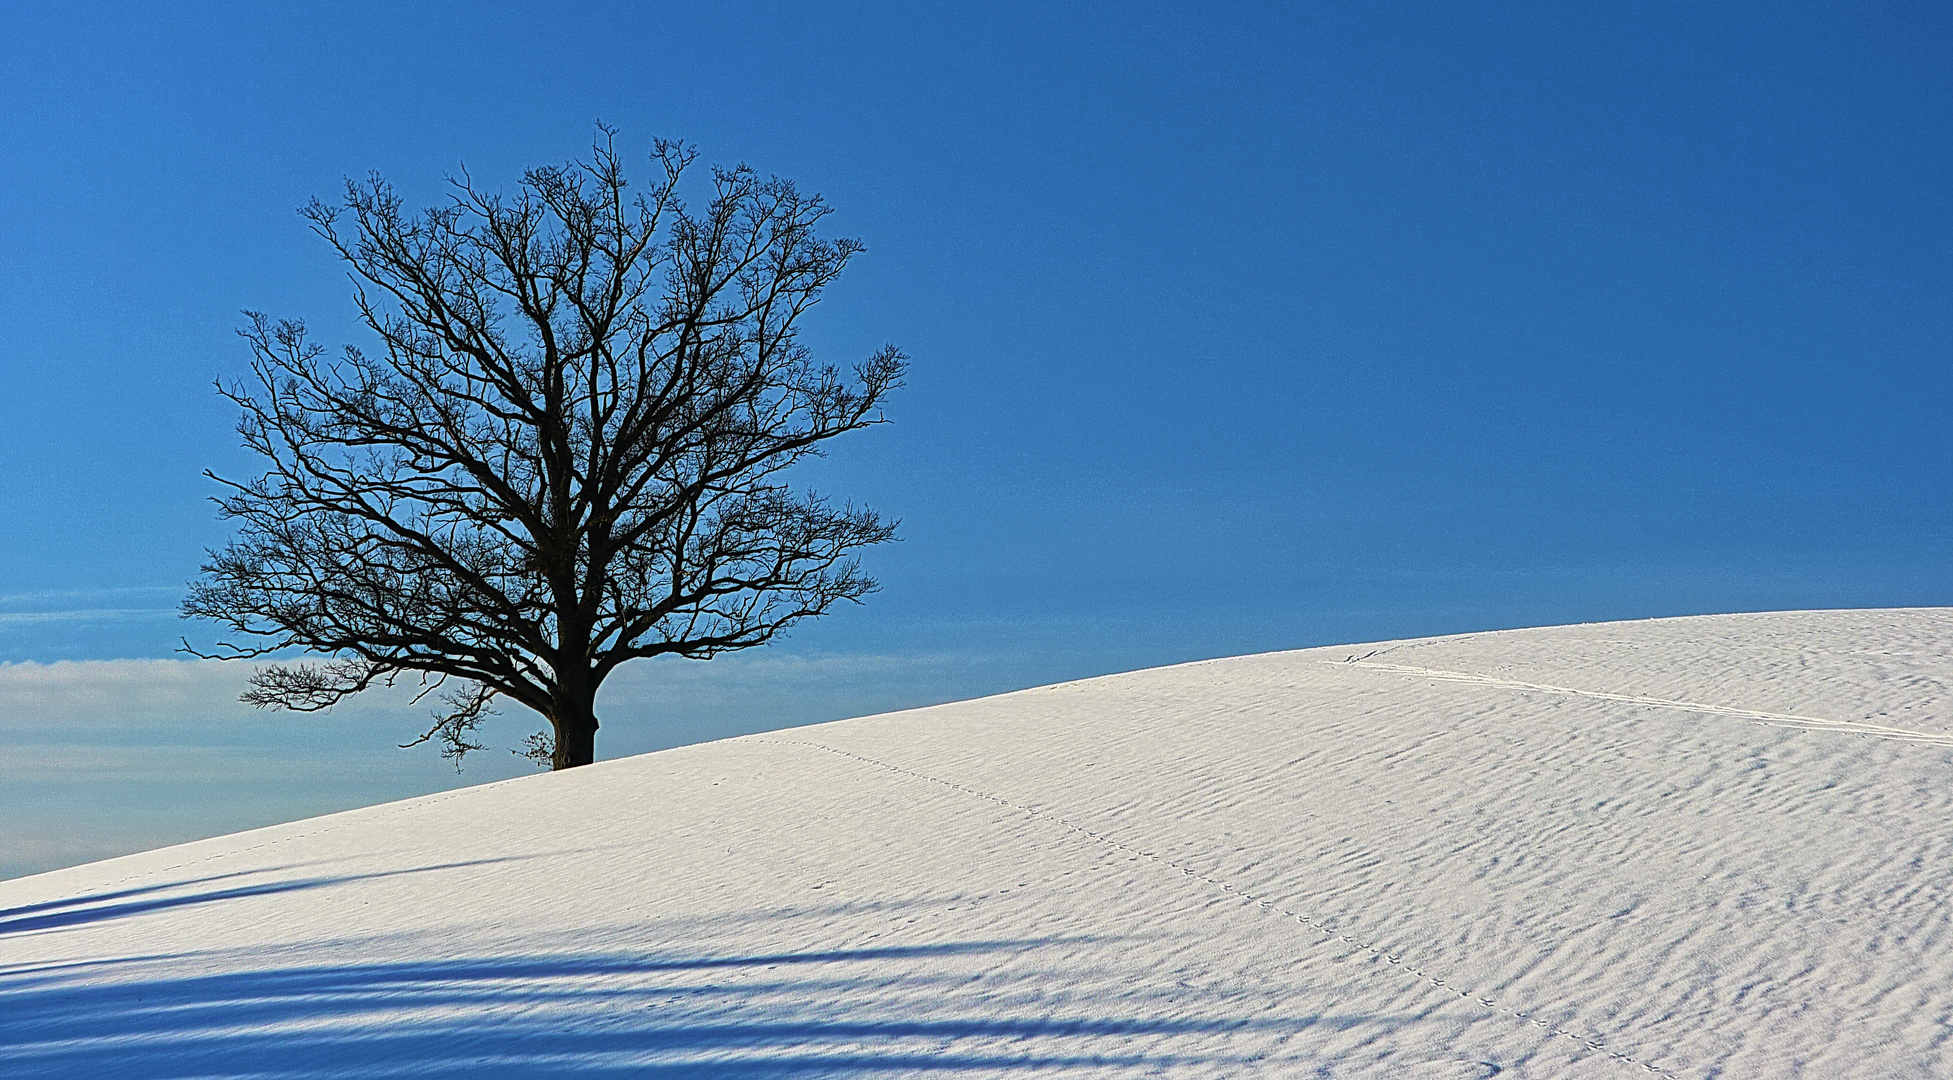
{"x": 1718, "y": 846}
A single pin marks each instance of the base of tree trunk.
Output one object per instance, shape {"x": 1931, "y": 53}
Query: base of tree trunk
{"x": 576, "y": 744}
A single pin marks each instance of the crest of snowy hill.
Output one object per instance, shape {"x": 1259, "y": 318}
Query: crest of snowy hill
{"x": 1703, "y": 847}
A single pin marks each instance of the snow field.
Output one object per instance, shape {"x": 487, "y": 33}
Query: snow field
{"x": 1704, "y": 847}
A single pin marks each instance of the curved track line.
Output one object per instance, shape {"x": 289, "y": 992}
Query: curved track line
{"x": 1592, "y": 1042}
{"x": 1774, "y": 719}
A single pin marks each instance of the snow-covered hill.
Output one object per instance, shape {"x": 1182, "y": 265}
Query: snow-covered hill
{"x": 1703, "y": 847}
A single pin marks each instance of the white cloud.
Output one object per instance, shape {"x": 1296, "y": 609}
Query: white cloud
{"x": 738, "y": 690}
{"x": 45, "y": 596}
{"x": 82, "y": 615}
{"x": 118, "y": 692}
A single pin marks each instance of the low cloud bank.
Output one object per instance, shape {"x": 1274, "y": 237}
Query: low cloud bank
{"x": 105, "y": 757}
{"x": 737, "y": 689}
{"x": 120, "y": 692}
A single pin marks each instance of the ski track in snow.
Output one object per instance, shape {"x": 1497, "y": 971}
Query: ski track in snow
{"x": 1814, "y": 723}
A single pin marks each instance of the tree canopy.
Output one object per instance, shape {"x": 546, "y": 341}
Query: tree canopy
{"x": 565, "y": 453}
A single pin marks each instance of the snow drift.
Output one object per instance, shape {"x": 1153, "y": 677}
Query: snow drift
{"x": 1702, "y": 847}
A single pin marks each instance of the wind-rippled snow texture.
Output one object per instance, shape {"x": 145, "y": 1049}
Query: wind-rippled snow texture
{"x": 1688, "y": 848}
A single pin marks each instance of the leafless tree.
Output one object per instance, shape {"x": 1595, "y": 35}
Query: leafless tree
{"x": 565, "y": 454}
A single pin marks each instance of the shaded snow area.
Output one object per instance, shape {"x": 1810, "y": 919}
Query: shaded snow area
{"x": 1702, "y": 847}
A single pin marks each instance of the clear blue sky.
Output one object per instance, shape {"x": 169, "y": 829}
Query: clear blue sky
{"x": 1235, "y": 327}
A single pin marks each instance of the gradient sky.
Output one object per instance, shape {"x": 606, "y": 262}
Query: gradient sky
{"x": 1236, "y": 328}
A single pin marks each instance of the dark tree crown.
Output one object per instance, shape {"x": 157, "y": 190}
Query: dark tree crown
{"x": 566, "y": 452}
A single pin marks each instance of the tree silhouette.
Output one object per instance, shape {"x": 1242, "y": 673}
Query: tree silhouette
{"x": 566, "y": 453}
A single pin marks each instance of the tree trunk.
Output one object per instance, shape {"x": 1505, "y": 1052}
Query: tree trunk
{"x": 576, "y": 734}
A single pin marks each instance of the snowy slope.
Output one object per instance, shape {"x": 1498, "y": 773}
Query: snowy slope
{"x": 1704, "y": 847}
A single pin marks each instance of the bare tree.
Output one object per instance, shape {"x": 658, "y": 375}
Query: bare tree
{"x": 566, "y": 453}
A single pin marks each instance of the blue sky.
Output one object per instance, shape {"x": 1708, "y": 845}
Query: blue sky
{"x": 1236, "y": 327}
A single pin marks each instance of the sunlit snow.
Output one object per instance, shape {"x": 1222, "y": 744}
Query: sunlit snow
{"x": 1701, "y": 847}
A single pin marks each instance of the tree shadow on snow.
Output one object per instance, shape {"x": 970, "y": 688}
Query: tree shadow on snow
{"x": 118, "y": 904}
{"x": 791, "y": 1014}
